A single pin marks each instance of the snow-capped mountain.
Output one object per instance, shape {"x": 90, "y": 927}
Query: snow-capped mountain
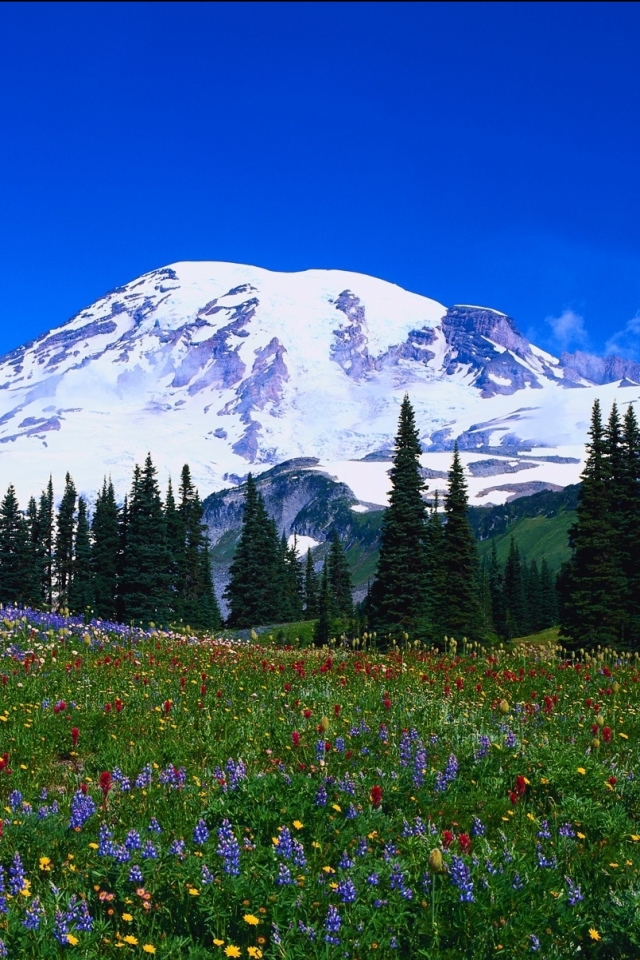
{"x": 235, "y": 368}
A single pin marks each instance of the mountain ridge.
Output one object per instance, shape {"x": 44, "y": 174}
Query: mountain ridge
{"x": 236, "y": 368}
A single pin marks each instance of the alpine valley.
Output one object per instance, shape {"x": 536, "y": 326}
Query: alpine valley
{"x": 234, "y": 368}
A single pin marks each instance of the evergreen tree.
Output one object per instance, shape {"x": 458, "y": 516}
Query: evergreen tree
{"x": 63, "y": 560}
{"x": 593, "y": 609}
{"x": 462, "y": 613}
{"x": 629, "y": 522}
{"x": 175, "y": 538}
{"x": 436, "y": 593}
{"x": 514, "y": 594}
{"x": 310, "y": 589}
{"x": 398, "y": 594}
{"x": 322, "y": 629}
{"x": 105, "y": 553}
{"x": 496, "y": 589}
{"x": 123, "y": 533}
{"x": 532, "y": 600}
{"x": 81, "y": 586}
{"x": 339, "y": 577}
{"x": 145, "y": 582}
{"x": 197, "y": 603}
{"x": 548, "y": 599}
{"x": 254, "y": 588}
{"x": 292, "y": 581}
{"x": 46, "y": 542}
{"x": 33, "y": 567}
{"x": 13, "y": 549}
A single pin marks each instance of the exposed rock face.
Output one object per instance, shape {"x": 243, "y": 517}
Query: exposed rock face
{"x": 586, "y": 366}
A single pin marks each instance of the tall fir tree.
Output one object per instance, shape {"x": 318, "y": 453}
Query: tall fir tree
{"x": 46, "y": 542}
{"x": 33, "y": 574}
{"x": 65, "y": 528}
{"x": 81, "y": 594}
{"x": 462, "y": 613}
{"x": 593, "y": 609}
{"x": 398, "y": 593}
{"x": 254, "y": 589}
{"x": 123, "y": 534}
{"x": 496, "y": 589}
{"x": 196, "y": 597}
{"x": 145, "y": 583}
{"x": 339, "y": 576}
{"x": 104, "y": 552}
{"x": 548, "y": 598}
{"x": 322, "y": 629}
{"x": 175, "y": 538}
{"x": 629, "y": 522}
{"x": 436, "y": 593}
{"x": 13, "y": 550}
{"x": 310, "y": 588}
{"x": 514, "y": 594}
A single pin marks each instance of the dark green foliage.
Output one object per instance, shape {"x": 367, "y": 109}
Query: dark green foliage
{"x": 339, "y": 579}
{"x": 46, "y": 543}
{"x": 63, "y": 565}
{"x": 629, "y": 521}
{"x": 310, "y": 588}
{"x": 496, "y": 590}
{"x": 398, "y": 594}
{"x": 33, "y": 571}
{"x": 435, "y": 592}
{"x": 254, "y": 588}
{"x": 462, "y": 609}
{"x": 514, "y": 595}
{"x": 105, "y": 553}
{"x": 196, "y": 602}
{"x": 81, "y": 586}
{"x": 145, "y": 578}
{"x": 593, "y": 609}
{"x": 292, "y": 582}
{"x": 14, "y": 550}
{"x": 322, "y": 630}
{"x": 548, "y": 599}
{"x": 175, "y": 539}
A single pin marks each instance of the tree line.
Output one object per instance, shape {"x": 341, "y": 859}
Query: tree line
{"x": 599, "y": 588}
{"x": 145, "y": 561}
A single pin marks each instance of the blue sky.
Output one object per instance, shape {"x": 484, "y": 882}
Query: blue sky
{"x": 475, "y": 153}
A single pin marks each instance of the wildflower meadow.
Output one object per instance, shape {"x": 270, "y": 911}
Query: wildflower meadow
{"x": 187, "y": 796}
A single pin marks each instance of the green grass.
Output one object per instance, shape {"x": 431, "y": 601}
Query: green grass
{"x": 537, "y": 538}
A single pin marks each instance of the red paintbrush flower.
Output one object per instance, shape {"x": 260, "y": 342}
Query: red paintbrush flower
{"x": 295, "y": 738}
{"x": 105, "y": 783}
{"x": 465, "y": 842}
{"x": 75, "y": 736}
{"x": 447, "y": 838}
{"x": 376, "y": 796}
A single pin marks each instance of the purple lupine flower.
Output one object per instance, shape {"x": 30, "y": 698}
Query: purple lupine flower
{"x": 321, "y": 796}
{"x": 347, "y": 891}
{"x": 345, "y": 863}
{"x": 236, "y": 772}
{"x": 352, "y": 812}
{"x": 82, "y": 808}
{"x": 229, "y": 849}
{"x": 135, "y": 875}
{"x": 517, "y": 882}
{"x": 510, "y": 740}
{"x": 177, "y": 849}
{"x": 61, "y": 928}
{"x": 17, "y": 875}
{"x": 33, "y": 915}
{"x": 461, "y": 878}
{"x": 544, "y": 861}
{"x": 332, "y": 925}
{"x": 284, "y": 877}
{"x": 15, "y": 800}
{"x": 483, "y": 749}
{"x": 149, "y": 851}
{"x": 362, "y": 849}
{"x": 120, "y": 853}
{"x": 308, "y": 930}
{"x": 105, "y": 844}
{"x": 535, "y": 943}
{"x": 574, "y": 894}
{"x": 154, "y": 826}
{"x": 544, "y": 832}
{"x": 404, "y": 749}
{"x": 3, "y": 900}
{"x": 478, "y": 829}
{"x": 299, "y": 858}
{"x": 200, "y": 833}
{"x": 566, "y": 830}
{"x": 207, "y": 876}
{"x": 133, "y": 840}
{"x": 419, "y": 765}
{"x": 3, "y": 949}
{"x": 373, "y": 879}
{"x": 284, "y": 847}
{"x": 339, "y": 744}
{"x": 145, "y": 777}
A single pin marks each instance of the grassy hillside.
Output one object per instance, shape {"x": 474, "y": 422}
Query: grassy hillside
{"x": 537, "y": 538}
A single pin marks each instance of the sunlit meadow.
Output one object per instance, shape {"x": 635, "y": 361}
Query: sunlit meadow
{"x": 184, "y": 796}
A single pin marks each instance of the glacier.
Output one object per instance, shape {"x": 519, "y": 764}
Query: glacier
{"x": 233, "y": 368}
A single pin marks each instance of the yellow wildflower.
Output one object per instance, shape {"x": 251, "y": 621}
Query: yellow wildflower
{"x": 72, "y": 940}
{"x": 148, "y": 948}
{"x": 127, "y": 917}
{"x": 298, "y": 824}
{"x": 218, "y": 942}
{"x": 255, "y": 952}
{"x": 251, "y": 920}
{"x": 593, "y": 933}
{"x": 194, "y": 892}
{"x": 232, "y": 951}
{"x": 131, "y": 940}
{"x": 582, "y": 770}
